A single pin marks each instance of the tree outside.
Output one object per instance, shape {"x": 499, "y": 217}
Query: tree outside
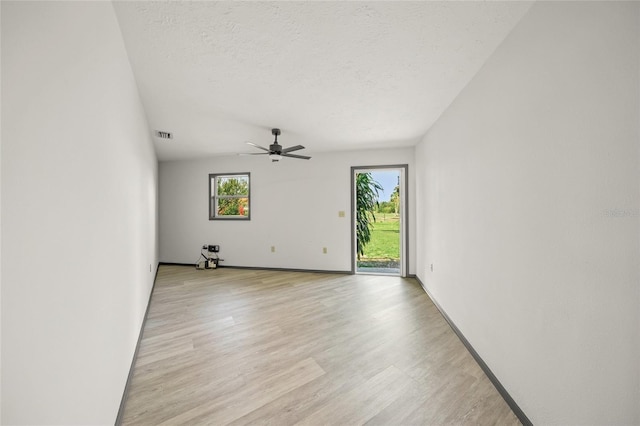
{"x": 393, "y": 205}
{"x": 395, "y": 199}
{"x": 367, "y": 193}
{"x": 230, "y": 196}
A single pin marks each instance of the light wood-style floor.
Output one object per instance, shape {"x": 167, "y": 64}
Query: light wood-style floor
{"x": 237, "y": 346}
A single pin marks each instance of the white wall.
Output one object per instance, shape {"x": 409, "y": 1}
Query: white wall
{"x": 528, "y": 201}
{"x": 294, "y": 207}
{"x": 0, "y": 222}
{"x": 79, "y": 187}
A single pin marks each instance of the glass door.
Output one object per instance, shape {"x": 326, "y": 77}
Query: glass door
{"x": 378, "y": 224}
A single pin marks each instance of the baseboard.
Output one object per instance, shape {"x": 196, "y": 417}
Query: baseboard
{"x": 503, "y": 392}
{"x": 262, "y": 268}
{"x": 125, "y": 393}
{"x": 178, "y": 264}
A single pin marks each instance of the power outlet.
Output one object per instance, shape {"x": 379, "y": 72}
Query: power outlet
{"x": 341, "y": 213}
{"x": 324, "y": 250}
{"x": 432, "y": 267}
{"x": 273, "y": 249}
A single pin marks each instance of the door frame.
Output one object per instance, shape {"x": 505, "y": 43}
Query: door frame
{"x": 404, "y": 214}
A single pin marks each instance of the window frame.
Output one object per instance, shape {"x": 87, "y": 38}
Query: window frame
{"x": 214, "y": 197}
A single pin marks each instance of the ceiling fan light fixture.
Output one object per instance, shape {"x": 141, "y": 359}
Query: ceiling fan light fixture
{"x": 275, "y": 157}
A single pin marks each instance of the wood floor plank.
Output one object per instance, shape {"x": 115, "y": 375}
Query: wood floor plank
{"x": 295, "y": 406}
{"x": 230, "y": 407}
{"x": 234, "y": 346}
{"x": 363, "y": 402}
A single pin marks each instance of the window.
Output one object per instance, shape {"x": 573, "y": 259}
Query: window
{"x": 229, "y": 196}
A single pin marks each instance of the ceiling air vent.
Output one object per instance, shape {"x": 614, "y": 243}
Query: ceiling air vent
{"x": 164, "y": 135}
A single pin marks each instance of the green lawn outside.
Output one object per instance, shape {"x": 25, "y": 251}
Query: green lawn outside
{"x": 385, "y": 238}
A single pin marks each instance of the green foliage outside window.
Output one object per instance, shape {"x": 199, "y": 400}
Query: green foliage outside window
{"x": 229, "y": 196}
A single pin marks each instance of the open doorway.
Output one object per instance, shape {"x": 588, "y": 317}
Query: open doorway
{"x": 379, "y": 220}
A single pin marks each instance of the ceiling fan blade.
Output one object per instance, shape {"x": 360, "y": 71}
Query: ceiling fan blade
{"x": 253, "y": 153}
{"x": 302, "y": 157}
{"x": 258, "y": 146}
{"x": 293, "y": 148}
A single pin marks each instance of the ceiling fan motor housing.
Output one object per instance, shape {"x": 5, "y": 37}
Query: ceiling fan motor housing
{"x": 275, "y": 148}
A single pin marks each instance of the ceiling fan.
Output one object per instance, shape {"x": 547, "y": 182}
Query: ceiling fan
{"x": 275, "y": 150}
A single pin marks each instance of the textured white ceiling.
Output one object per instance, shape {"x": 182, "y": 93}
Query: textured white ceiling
{"x": 331, "y": 75}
